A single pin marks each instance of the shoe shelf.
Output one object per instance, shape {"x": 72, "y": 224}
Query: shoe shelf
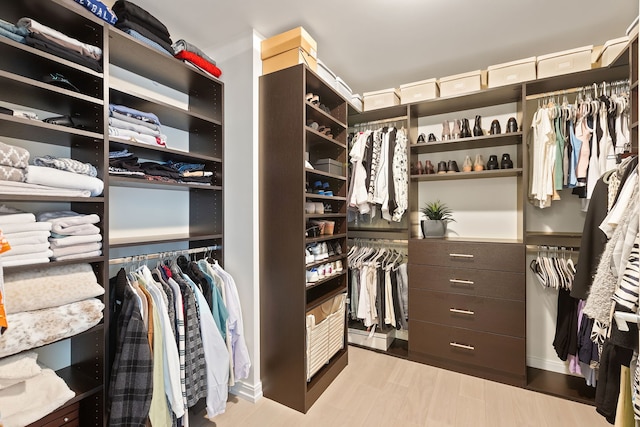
{"x": 325, "y": 237}
{"x": 326, "y": 260}
{"x": 326, "y": 278}
{"x": 321, "y": 145}
{"x": 312, "y": 196}
{"x": 499, "y": 173}
{"x": 467, "y": 143}
{"x": 318, "y": 115}
{"x": 319, "y": 173}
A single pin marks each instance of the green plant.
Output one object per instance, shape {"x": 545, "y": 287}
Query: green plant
{"x": 437, "y": 211}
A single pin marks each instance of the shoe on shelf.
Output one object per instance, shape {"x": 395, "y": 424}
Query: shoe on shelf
{"x": 317, "y": 188}
{"x": 308, "y": 97}
{"x": 455, "y": 133}
{"x": 317, "y": 251}
{"x": 506, "y": 162}
{"x": 337, "y": 247}
{"x": 495, "y": 127}
{"x": 327, "y": 269}
{"x": 319, "y": 207}
{"x": 428, "y": 168}
{"x": 324, "y": 108}
{"x": 310, "y": 207}
{"x": 420, "y": 138}
{"x": 334, "y": 267}
{"x": 327, "y": 189}
{"x": 442, "y": 167}
{"x": 328, "y": 208}
{"x": 313, "y": 125}
{"x": 309, "y": 258}
{"x": 478, "y": 164}
{"x": 492, "y": 164}
{"x": 467, "y": 165}
{"x": 412, "y": 169}
{"x": 477, "y": 128}
{"x": 315, "y": 99}
{"x": 452, "y": 167}
{"x": 465, "y": 130}
{"x": 446, "y": 131}
{"x": 321, "y": 271}
{"x": 512, "y": 125}
{"x": 339, "y": 266}
{"x": 419, "y": 169}
{"x": 431, "y": 138}
{"x": 325, "y": 250}
{"x": 312, "y": 275}
{"x": 330, "y": 250}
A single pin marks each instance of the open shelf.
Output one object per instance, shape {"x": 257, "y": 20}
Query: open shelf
{"x": 553, "y": 238}
{"x": 60, "y": 199}
{"x": 325, "y": 174}
{"x": 498, "y": 173}
{"x": 467, "y": 143}
{"x": 20, "y": 268}
{"x": 399, "y": 111}
{"x": 120, "y": 181}
{"x": 160, "y": 154}
{"x": 324, "y": 261}
{"x": 163, "y": 238}
{"x": 322, "y": 197}
{"x": 326, "y": 279}
{"x": 325, "y": 215}
{"x": 36, "y": 130}
{"x": 324, "y": 238}
{"x": 324, "y": 138}
{"x": 323, "y": 114}
{"x": 82, "y": 384}
{"x": 572, "y": 80}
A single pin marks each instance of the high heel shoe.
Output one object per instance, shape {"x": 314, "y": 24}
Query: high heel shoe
{"x": 478, "y": 165}
{"x": 492, "y": 164}
{"x": 419, "y": 169}
{"x": 465, "y": 130}
{"x": 455, "y": 134}
{"x": 467, "y": 165}
{"x": 446, "y": 131}
{"x": 421, "y": 138}
{"x": 506, "y": 162}
{"x": 477, "y": 128}
{"x": 495, "y": 128}
{"x": 442, "y": 167}
{"x": 428, "y": 168}
{"x": 512, "y": 125}
{"x": 431, "y": 138}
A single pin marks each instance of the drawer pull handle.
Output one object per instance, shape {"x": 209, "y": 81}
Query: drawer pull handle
{"x": 461, "y": 255}
{"x": 464, "y": 282}
{"x": 463, "y": 346}
{"x": 458, "y": 311}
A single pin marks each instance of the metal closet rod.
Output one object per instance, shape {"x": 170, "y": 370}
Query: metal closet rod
{"x": 377, "y": 122}
{"x": 157, "y": 255}
{"x": 381, "y": 243}
{"x": 598, "y": 86}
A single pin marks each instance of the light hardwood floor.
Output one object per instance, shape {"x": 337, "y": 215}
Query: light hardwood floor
{"x": 380, "y": 390}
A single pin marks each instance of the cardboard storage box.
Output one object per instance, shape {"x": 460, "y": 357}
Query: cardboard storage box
{"x": 292, "y": 39}
{"x": 567, "y": 61}
{"x": 419, "y": 91}
{"x": 330, "y": 166}
{"x": 356, "y": 101}
{"x": 461, "y": 83}
{"x": 381, "y": 99}
{"x": 343, "y": 88}
{"x": 611, "y": 50}
{"x": 512, "y": 72}
{"x": 288, "y": 59}
{"x": 326, "y": 74}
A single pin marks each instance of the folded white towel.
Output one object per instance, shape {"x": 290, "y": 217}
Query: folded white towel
{"x": 17, "y": 218}
{"x": 8, "y": 258}
{"x": 26, "y": 249}
{"x": 24, "y": 227}
{"x": 18, "y": 368}
{"x": 26, "y": 261}
{"x": 11, "y": 187}
{"x": 71, "y": 223}
{"x": 76, "y": 249}
{"x": 78, "y": 256}
{"x": 43, "y": 175}
{"x": 23, "y": 234}
{"x": 29, "y": 240}
{"x": 58, "y": 242}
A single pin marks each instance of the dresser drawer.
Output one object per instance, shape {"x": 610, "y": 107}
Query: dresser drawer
{"x": 477, "y": 255}
{"x": 466, "y": 311}
{"x": 482, "y": 349}
{"x": 468, "y": 281}
{"x": 67, "y": 416}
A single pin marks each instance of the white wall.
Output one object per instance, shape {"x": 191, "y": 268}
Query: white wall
{"x": 240, "y": 64}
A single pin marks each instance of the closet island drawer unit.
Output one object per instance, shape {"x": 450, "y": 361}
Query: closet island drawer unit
{"x": 467, "y": 305}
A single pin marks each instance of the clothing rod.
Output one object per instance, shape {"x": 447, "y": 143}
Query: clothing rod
{"x": 533, "y": 248}
{"x": 576, "y": 89}
{"x": 622, "y": 319}
{"x": 375, "y": 122}
{"x": 157, "y": 255}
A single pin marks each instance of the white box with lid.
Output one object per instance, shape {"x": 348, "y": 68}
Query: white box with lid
{"x": 565, "y": 62}
{"x": 512, "y": 72}
{"x": 612, "y": 49}
{"x": 356, "y": 101}
{"x": 343, "y": 88}
{"x": 461, "y": 83}
{"x": 381, "y": 99}
{"x": 326, "y": 74}
{"x": 419, "y": 91}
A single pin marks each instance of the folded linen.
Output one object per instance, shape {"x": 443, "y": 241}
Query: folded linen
{"x": 25, "y": 234}
{"x": 121, "y": 124}
{"x": 10, "y": 187}
{"x": 39, "y": 42}
{"x": 132, "y": 112}
{"x": 16, "y": 218}
{"x": 8, "y": 26}
{"x": 25, "y": 249}
{"x": 62, "y": 179}
{"x": 71, "y": 223}
{"x": 78, "y": 256}
{"x": 200, "y": 62}
{"x": 133, "y": 120}
{"x": 25, "y": 227}
{"x": 26, "y": 261}
{"x": 30, "y": 240}
{"x": 182, "y": 44}
{"x": 56, "y": 36}
{"x": 18, "y": 368}
{"x": 13, "y": 36}
{"x": 8, "y": 173}
{"x": 40, "y": 288}
{"x": 25, "y": 114}
{"x": 99, "y": 9}
{"x": 11, "y": 155}
{"x": 69, "y": 165}
{"x": 60, "y": 242}
{"x": 132, "y": 12}
{"x": 38, "y": 396}
{"x": 142, "y": 34}
{"x": 82, "y": 248}
{"x": 130, "y": 135}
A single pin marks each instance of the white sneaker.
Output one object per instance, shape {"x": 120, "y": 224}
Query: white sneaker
{"x": 339, "y": 266}
{"x": 321, "y": 271}
{"x": 328, "y": 270}
{"x": 325, "y": 250}
{"x": 308, "y": 256}
{"x": 334, "y": 267}
{"x": 310, "y": 208}
{"x": 312, "y": 276}
{"x": 316, "y": 250}
{"x": 319, "y": 208}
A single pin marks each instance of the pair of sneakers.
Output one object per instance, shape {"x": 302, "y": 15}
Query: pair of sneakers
{"x": 316, "y": 252}
{"x": 322, "y": 188}
{"x": 323, "y": 271}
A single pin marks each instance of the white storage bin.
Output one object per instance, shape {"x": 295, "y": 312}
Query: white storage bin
{"x": 356, "y": 101}
{"x": 612, "y": 49}
{"x": 460, "y": 83}
{"x": 567, "y": 61}
{"x": 343, "y": 88}
{"x": 381, "y": 99}
{"x": 325, "y": 333}
{"x": 512, "y": 72}
{"x": 419, "y": 91}
{"x": 326, "y": 74}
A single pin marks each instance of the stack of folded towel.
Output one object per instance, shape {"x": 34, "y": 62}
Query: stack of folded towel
{"x": 29, "y": 391}
{"x": 73, "y": 235}
{"x": 52, "y": 41}
{"x": 18, "y": 34}
{"x": 135, "y": 125}
{"x": 140, "y": 24}
{"x": 191, "y": 54}
{"x": 13, "y": 163}
{"x": 29, "y": 239}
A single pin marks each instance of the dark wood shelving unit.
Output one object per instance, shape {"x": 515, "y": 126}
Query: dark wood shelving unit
{"x": 166, "y": 238}
{"x": 285, "y": 296}
{"x": 121, "y": 181}
{"x": 161, "y": 154}
{"x": 467, "y": 143}
{"x": 36, "y": 130}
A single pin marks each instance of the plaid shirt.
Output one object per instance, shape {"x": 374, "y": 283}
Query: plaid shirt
{"x": 132, "y": 370}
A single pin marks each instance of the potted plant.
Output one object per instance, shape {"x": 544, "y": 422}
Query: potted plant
{"x": 437, "y": 215}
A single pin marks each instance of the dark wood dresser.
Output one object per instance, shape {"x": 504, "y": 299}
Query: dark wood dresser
{"x": 467, "y": 307}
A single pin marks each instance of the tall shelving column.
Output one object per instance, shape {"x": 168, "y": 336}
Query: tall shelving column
{"x": 285, "y": 297}
{"x": 21, "y": 71}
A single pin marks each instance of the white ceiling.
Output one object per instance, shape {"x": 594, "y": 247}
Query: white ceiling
{"x": 376, "y": 44}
